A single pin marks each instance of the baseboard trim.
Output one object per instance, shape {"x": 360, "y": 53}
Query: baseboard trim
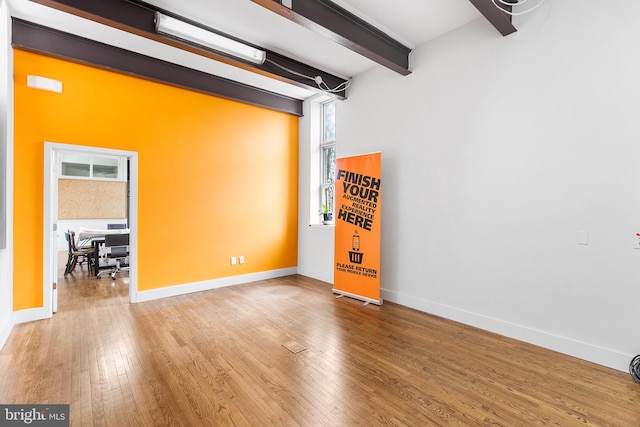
{"x": 581, "y": 350}
{"x": 29, "y": 315}
{"x": 172, "y": 291}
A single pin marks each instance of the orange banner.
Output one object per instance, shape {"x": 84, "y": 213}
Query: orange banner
{"x": 357, "y": 234}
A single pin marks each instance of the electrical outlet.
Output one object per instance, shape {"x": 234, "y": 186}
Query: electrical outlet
{"x": 233, "y": 260}
{"x": 241, "y": 259}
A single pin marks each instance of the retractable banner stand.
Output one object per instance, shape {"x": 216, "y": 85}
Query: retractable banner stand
{"x": 357, "y": 233}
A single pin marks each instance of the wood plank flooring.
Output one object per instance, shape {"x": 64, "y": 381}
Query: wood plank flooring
{"x": 216, "y": 358}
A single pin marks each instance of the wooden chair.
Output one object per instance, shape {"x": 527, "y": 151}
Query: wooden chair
{"x": 74, "y": 253}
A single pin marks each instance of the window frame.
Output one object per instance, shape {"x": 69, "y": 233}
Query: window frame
{"x": 120, "y": 168}
{"x": 327, "y": 182}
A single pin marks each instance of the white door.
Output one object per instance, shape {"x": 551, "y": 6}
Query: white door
{"x": 54, "y": 273}
{"x": 52, "y": 185}
{"x": 54, "y": 237}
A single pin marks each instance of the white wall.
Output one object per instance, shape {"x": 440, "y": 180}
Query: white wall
{"x": 497, "y": 151}
{"x": 315, "y": 242}
{"x": 6, "y": 175}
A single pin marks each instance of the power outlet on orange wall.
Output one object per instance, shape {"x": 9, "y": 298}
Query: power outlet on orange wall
{"x": 233, "y": 260}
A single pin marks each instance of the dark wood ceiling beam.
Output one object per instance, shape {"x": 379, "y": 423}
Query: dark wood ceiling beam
{"x": 343, "y": 27}
{"x": 500, "y": 20}
{"x": 137, "y": 17}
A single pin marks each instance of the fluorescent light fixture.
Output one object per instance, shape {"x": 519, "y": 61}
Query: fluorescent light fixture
{"x": 512, "y": 3}
{"x": 174, "y": 27}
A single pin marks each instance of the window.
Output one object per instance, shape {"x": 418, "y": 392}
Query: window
{"x": 328, "y": 154}
{"x": 86, "y": 166}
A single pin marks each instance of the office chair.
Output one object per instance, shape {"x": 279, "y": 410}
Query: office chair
{"x": 76, "y": 255}
{"x": 118, "y": 245}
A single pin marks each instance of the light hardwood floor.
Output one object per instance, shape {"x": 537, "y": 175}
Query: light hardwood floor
{"x": 216, "y": 358}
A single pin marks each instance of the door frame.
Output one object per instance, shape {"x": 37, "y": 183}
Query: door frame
{"x": 51, "y": 151}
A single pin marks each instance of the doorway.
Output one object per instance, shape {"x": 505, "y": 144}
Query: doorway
{"x": 50, "y": 227}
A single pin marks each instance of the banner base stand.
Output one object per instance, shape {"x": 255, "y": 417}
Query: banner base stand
{"x": 358, "y": 297}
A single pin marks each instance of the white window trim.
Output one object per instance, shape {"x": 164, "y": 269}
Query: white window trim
{"x": 121, "y": 169}
{"x": 322, "y": 145}
{"x": 315, "y": 171}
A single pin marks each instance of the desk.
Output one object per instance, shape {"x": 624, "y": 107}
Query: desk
{"x": 85, "y": 235}
{"x": 95, "y": 264}
{"x": 95, "y": 237}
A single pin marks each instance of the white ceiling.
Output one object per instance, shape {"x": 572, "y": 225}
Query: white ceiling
{"x": 412, "y": 22}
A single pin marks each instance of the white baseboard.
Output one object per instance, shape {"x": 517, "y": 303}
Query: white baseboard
{"x": 581, "y": 350}
{"x": 172, "y": 291}
{"x": 29, "y": 315}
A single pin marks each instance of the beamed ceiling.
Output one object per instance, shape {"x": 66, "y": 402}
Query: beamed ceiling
{"x": 303, "y": 39}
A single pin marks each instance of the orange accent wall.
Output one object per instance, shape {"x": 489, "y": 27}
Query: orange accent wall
{"x": 217, "y": 178}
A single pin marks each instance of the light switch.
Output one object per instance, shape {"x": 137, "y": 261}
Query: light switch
{"x": 583, "y": 237}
